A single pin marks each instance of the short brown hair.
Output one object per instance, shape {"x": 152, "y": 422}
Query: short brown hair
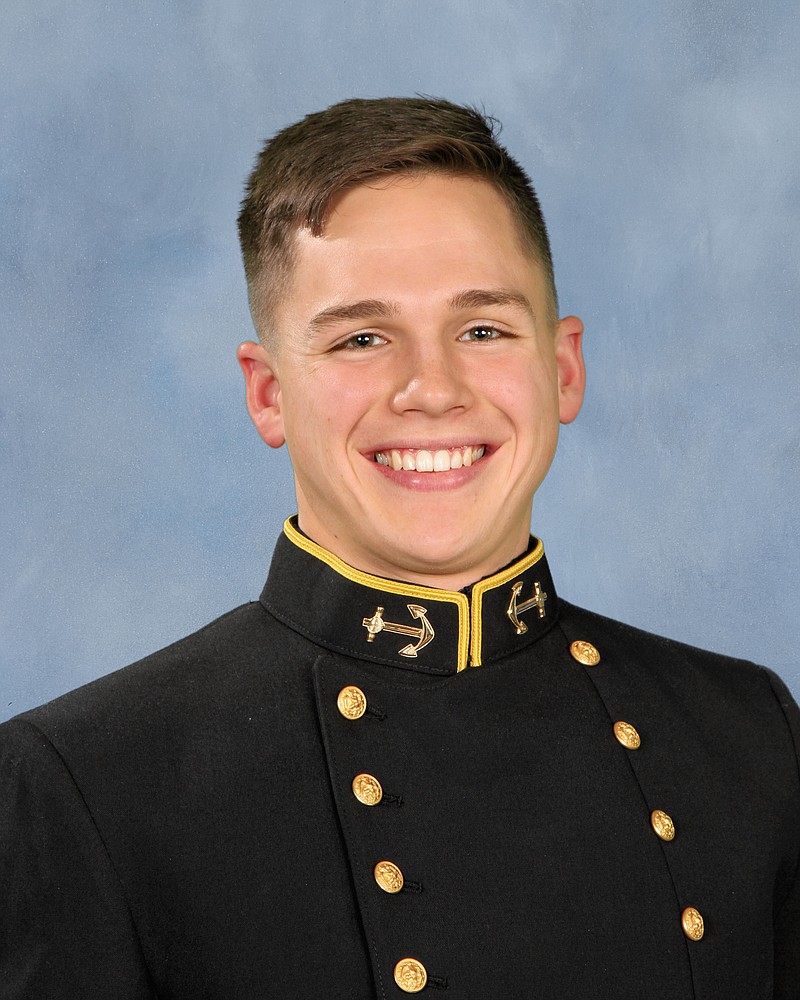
{"x": 303, "y": 167}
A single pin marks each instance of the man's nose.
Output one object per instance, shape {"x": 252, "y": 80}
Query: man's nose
{"x": 432, "y": 380}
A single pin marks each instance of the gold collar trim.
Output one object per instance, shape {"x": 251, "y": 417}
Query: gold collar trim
{"x": 470, "y": 612}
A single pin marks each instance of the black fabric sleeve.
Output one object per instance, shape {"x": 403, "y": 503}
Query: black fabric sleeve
{"x": 65, "y": 928}
{"x": 787, "y": 922}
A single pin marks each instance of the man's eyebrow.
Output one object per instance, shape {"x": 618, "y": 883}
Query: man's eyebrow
{"x": 478, "y": 298}
{"x": 353, "y": 311}
{"x": 366, "y": 309}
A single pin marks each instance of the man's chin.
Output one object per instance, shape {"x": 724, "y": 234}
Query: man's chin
{"x": 440, "y": 560}
{"x": 442, "y": 544}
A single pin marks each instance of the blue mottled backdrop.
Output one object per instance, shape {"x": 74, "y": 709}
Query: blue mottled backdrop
{"x": 137, "y": 502}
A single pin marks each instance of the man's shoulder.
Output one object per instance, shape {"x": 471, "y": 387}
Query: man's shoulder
{"x": 633, "y": 638}
{"x": 646, "y": 662}
{"x": 201, "y": 722}
{"x": 234, "y": 660}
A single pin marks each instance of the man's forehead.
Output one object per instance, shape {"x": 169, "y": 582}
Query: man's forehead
{"x": 361, "y": 265}
{"x": 447, "y": 194}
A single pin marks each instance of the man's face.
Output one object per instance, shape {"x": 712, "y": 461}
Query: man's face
{"x": 415, "y": 336}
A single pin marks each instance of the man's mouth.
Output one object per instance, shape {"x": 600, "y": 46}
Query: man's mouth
{"x": 423, "y": 460}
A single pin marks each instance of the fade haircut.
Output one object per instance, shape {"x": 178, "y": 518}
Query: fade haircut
{"x": 303, "y": 167}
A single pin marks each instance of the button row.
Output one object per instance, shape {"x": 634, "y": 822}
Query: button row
{"x": 409, "y": 973}
{"x": 661, "y": 822}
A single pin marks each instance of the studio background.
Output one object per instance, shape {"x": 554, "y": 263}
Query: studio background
{"x": 136, "y": 500}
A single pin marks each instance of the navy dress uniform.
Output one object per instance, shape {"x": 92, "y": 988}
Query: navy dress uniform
{"x": 360, "y": 788}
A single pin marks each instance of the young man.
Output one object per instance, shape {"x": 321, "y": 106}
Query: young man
{"x": 410, "y": 766}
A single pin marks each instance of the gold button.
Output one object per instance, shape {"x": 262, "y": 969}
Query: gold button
{"x": 626, "y": 735}
{"x": 662, "y": 824}
{"x": 367, "y": 789}
{"x": 352, "y": 702}
{"x": 692, "y": 923}
{"x": 585, "y": 653}
{"x": 388, "y": 876}
{"x": 410, "y": 975}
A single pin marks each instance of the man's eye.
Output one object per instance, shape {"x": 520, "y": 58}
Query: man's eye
{"x": 480, "y": 334}
{"x": 361, "y": 340}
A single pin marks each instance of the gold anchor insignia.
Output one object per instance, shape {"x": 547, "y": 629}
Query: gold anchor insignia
{"x": 515, "y": 610}
{"x": 424, "y": 633}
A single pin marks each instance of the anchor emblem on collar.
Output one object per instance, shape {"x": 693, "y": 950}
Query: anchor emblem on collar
{"x": 423, "y": 633}
{"x": 515, "y": 609}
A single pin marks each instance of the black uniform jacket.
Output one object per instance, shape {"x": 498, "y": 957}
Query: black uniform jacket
{"x": 358, "y": 788}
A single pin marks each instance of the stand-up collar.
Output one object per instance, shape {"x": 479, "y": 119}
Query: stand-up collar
{"x": 404, "y": 624}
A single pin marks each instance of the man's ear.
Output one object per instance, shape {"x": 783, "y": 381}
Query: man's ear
{"x": 571, "y": 370}
{"x": 263, "y": 392}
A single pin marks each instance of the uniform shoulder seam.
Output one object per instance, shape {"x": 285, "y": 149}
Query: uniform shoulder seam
{"x": 657, "y": 638}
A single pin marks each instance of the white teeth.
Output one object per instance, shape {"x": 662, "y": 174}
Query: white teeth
{"x": 441, "y": 460}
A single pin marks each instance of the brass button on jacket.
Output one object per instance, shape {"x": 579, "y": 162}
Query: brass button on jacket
{"x": 388, "y": 876}
{"x": 410, "y": 975}
{"x": 627, "y": 735}
{"x": 692, "y": 923}
{"x": 662, "y": 824}
{"x": 352, "y": 702}
{"x": 367, "y": 789}
{"x": 585, "y": 653}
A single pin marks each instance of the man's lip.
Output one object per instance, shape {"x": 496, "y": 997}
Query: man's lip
{"x": 431, "y": 480}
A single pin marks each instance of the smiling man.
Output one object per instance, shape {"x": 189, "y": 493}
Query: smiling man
{"x": 410, "y": 766}
{"x": 418, "y": 375}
